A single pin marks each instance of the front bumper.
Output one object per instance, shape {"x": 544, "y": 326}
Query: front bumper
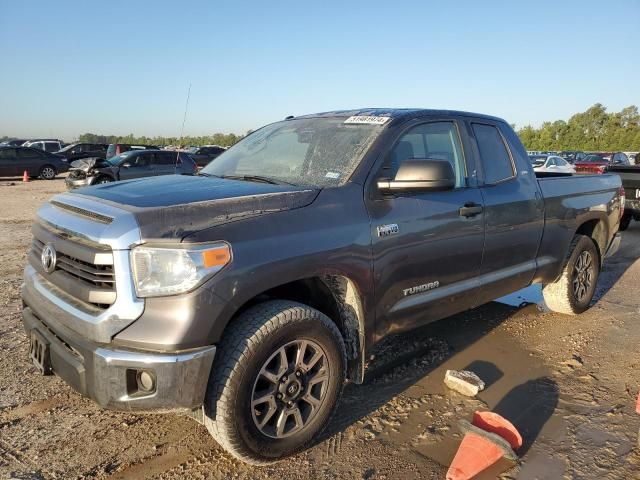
{"x": 74, "y": 182}
{"x": 108, "y": 375}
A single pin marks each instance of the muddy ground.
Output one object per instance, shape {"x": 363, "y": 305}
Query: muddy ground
{"x": 568, "y": 383}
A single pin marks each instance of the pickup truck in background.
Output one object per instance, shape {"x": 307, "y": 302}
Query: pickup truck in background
{"x": 248, "y": 294}
{"x": 630, "y": 176}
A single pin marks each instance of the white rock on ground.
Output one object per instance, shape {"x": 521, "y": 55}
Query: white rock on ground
{"x": 464, "y": 382}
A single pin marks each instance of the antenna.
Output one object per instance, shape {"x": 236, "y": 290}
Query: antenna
{"x": 184, "y": 120}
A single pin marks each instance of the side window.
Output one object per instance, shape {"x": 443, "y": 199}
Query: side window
{"x": 28, "y": 153}
{"x": 165, "y": 158}
{"x": 493, "y": 153}
{"x": 142, "y": 160}
{"x": 435, "y": 141}
{"x": 51, "y": 147}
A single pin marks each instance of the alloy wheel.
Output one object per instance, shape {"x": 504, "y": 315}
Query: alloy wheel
{"x": 290, "y": 389}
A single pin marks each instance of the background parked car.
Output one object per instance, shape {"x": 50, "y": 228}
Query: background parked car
{"x": 203, "y": 155}
{"x": 599, "y": 162}
{"x": 38, "y": 163}
{"x": 13, "y": 143}
{"x": 128, "y": 165}
{"x": 551, "y": 164}
{"x": 117, "y": 148}
{"x": 573, "y": 156}
{"x": 46, "y": 145}
{"x": 76, "y": 151}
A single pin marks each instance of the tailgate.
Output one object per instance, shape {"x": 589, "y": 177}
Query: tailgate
{"x": 630, "y": 176}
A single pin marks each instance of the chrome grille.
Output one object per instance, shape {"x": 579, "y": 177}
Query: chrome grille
{"x": 91, "y": 282}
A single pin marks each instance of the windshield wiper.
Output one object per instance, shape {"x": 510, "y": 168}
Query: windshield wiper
{"x": 257, "y": 178}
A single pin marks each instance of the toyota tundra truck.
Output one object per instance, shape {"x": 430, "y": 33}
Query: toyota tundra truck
{"x": 247, "y": 295}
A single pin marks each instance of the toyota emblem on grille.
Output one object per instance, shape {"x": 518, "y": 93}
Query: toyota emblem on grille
{"x": 48, "y": 258}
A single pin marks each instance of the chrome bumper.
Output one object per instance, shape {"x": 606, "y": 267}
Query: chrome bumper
{"x": 108, "y": 376}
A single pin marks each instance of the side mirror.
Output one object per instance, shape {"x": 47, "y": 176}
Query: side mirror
{"x": 420, "y": 175}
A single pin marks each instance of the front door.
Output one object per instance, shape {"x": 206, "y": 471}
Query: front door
{"x": 139, "y": 166}
{"x": 427, "y": 247}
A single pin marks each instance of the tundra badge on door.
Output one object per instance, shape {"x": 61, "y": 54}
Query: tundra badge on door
{"x": 386, "y": 230}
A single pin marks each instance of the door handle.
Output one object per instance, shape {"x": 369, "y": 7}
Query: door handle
{"x": 470, "y": 209}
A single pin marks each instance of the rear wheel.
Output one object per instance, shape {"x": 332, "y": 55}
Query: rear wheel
{"x": 277, "y": 376}
{"x": 48, "y": 172}
{"x": 624, "y": 222}
{"x": 573, "y": 291}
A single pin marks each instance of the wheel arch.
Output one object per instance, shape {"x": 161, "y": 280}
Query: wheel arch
{"x": 596, "y": 230}
{"x": 338, "y": 297}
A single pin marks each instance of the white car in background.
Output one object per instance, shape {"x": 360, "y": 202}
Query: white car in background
{"x": 551, "y": 164}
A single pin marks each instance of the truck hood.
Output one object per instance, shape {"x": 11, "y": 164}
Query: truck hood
{"x": 175, "y": 206}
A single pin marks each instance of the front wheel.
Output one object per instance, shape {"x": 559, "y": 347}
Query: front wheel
{"x": 573, "y": 291}
{"x": 277, "y": 376}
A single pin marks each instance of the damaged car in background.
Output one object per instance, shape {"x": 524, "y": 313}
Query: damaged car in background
{"x": 129, "y": 165}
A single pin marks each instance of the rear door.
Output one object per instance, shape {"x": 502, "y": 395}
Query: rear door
{"x": 426, "y": 250}
{"x": 164, "y": 163}
{"x": 513, "y": 206}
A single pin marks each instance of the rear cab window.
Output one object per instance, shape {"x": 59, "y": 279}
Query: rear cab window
{"x": 496, "y": 161}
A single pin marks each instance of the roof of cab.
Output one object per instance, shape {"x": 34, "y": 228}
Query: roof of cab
{"x": 398, "y": 113}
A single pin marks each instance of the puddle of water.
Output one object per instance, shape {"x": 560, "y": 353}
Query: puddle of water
{"x": 529, "y": 295}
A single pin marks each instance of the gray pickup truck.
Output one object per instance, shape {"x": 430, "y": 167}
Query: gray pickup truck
{"x": 247, "y": 295}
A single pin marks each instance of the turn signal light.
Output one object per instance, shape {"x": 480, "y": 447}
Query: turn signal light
{"x": 216, "y": 257}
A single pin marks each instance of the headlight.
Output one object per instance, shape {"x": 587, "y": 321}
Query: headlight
{"x": 159, "y": 271}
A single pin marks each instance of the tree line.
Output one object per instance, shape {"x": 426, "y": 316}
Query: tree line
{"x": 592, "y": 130}
{"x": 222, "y": 139}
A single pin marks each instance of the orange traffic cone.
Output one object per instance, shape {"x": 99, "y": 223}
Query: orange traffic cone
{"x": 494, "y": 423}
{"x": 25, "y": 176}
{"x": 479, "y": 450}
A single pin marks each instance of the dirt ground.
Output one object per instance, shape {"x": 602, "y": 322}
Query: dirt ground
{"x": 568, "y": 383}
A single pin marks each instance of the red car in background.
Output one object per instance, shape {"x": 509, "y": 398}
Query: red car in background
{"x": 599, "y": 162}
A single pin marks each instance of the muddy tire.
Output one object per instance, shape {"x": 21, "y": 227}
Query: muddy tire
{"x": 48, "y": 172}
{"x": 624, "y": 222}
{"x": 276, "y": 377}
{"x": 573, "y": 291}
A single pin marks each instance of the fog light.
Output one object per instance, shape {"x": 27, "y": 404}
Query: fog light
{"x": 146, "y": 381}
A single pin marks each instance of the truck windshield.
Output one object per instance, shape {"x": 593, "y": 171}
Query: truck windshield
{"x": 320, "y": 152}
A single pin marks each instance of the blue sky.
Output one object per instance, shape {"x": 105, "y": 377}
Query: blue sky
{"x": 119, "y": 67}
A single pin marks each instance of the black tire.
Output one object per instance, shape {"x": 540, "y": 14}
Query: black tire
{"x": 248, "y": 344}
{"x": 48, "y": 172}
{"x": 562, "y": 296}
{"x": 103, "y": 179}
{"x": 624, "y": 222}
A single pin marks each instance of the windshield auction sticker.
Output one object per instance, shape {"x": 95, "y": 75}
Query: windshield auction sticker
{"x": 367, "y": 119}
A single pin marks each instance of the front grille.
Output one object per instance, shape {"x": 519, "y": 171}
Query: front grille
{"x": 89, "y": 279}
{"x": 98, "y": 275}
